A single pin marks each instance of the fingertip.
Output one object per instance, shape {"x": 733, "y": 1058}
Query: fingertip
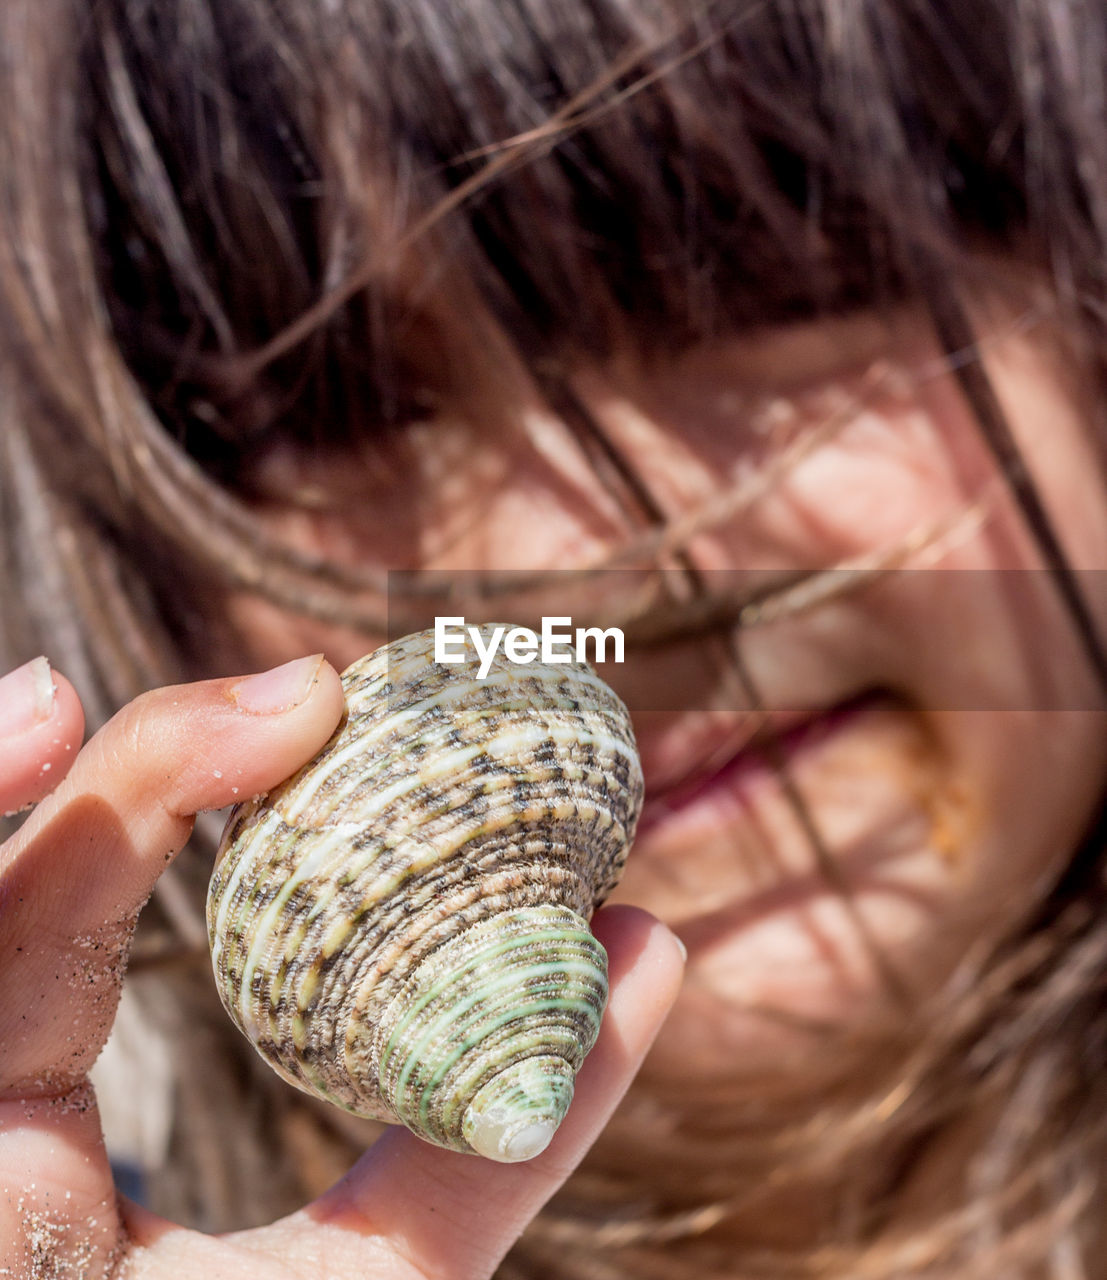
{"x": 640, "y": 948}
{"x": 328, "y": 694}
{"x": 68, "y": 719}
{"x": 41, "y": 729}
{"x": 283, "y": 688}
{"x": 645, "y": 970}
{"x": 410, "y": 1188}
{"x": 264, "y": 727}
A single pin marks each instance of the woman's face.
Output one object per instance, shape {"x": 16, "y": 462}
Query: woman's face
{"x": 931, "y": 747}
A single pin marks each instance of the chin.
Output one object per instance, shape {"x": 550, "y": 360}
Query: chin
{"x": 797, "y": 946}
{"x": 794, "y": 993}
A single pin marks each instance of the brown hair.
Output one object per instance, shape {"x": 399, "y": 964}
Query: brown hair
{"x": 230, "y": 222}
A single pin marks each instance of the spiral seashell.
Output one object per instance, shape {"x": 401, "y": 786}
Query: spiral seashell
{"x": 401, "y": 927}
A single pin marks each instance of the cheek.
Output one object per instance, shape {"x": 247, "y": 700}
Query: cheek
{"x": 1039, "y": 774}
{"x": 859, "y": 464}
{"x": 904, "y": 480}
{"x": 945, "y": 829}
{"x": 884, "y": 477}
{"x": 507, "y": 492}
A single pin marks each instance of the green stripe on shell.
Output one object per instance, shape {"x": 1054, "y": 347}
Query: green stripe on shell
{"x": 401, "y": 926}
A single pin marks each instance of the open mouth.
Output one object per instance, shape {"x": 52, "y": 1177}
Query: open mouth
{"x": 761, "y": 744}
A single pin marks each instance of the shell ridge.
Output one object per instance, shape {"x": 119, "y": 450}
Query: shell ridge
{"x": 401, "y": 927}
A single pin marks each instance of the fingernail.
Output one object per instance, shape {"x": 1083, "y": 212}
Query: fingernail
{"x": 26, "y": 697}
{"x": 280, "y": 689}
{"x": 681, "y": 947}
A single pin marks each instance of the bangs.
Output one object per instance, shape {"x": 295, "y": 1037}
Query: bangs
{"x": 409, "y": 175}
{"x": 282, "y": 224}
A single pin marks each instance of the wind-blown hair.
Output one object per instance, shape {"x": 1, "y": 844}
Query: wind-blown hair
{"x": 226, "y": 224}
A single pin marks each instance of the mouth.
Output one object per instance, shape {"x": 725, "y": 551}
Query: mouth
{"x": 761, "y": 744}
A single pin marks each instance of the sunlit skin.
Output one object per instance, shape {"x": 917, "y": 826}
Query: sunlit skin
{"x": 72, "y": 882}
{"x": 940, "y": 726}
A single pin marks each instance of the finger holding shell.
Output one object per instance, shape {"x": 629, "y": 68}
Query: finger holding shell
{"x": 401, "y": 927}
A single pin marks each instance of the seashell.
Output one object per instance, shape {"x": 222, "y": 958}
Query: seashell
{"x": 401, "y": 927}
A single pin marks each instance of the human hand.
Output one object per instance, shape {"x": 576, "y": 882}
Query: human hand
{"x": 72, "y": 881}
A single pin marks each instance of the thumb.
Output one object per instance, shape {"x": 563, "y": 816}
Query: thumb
{"x": 439, "y": 1213}
{"x": 71, "y": 883}
{"x": 74, "y": 876}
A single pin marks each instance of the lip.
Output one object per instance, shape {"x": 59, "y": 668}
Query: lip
{"x": 762, "y": 744}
